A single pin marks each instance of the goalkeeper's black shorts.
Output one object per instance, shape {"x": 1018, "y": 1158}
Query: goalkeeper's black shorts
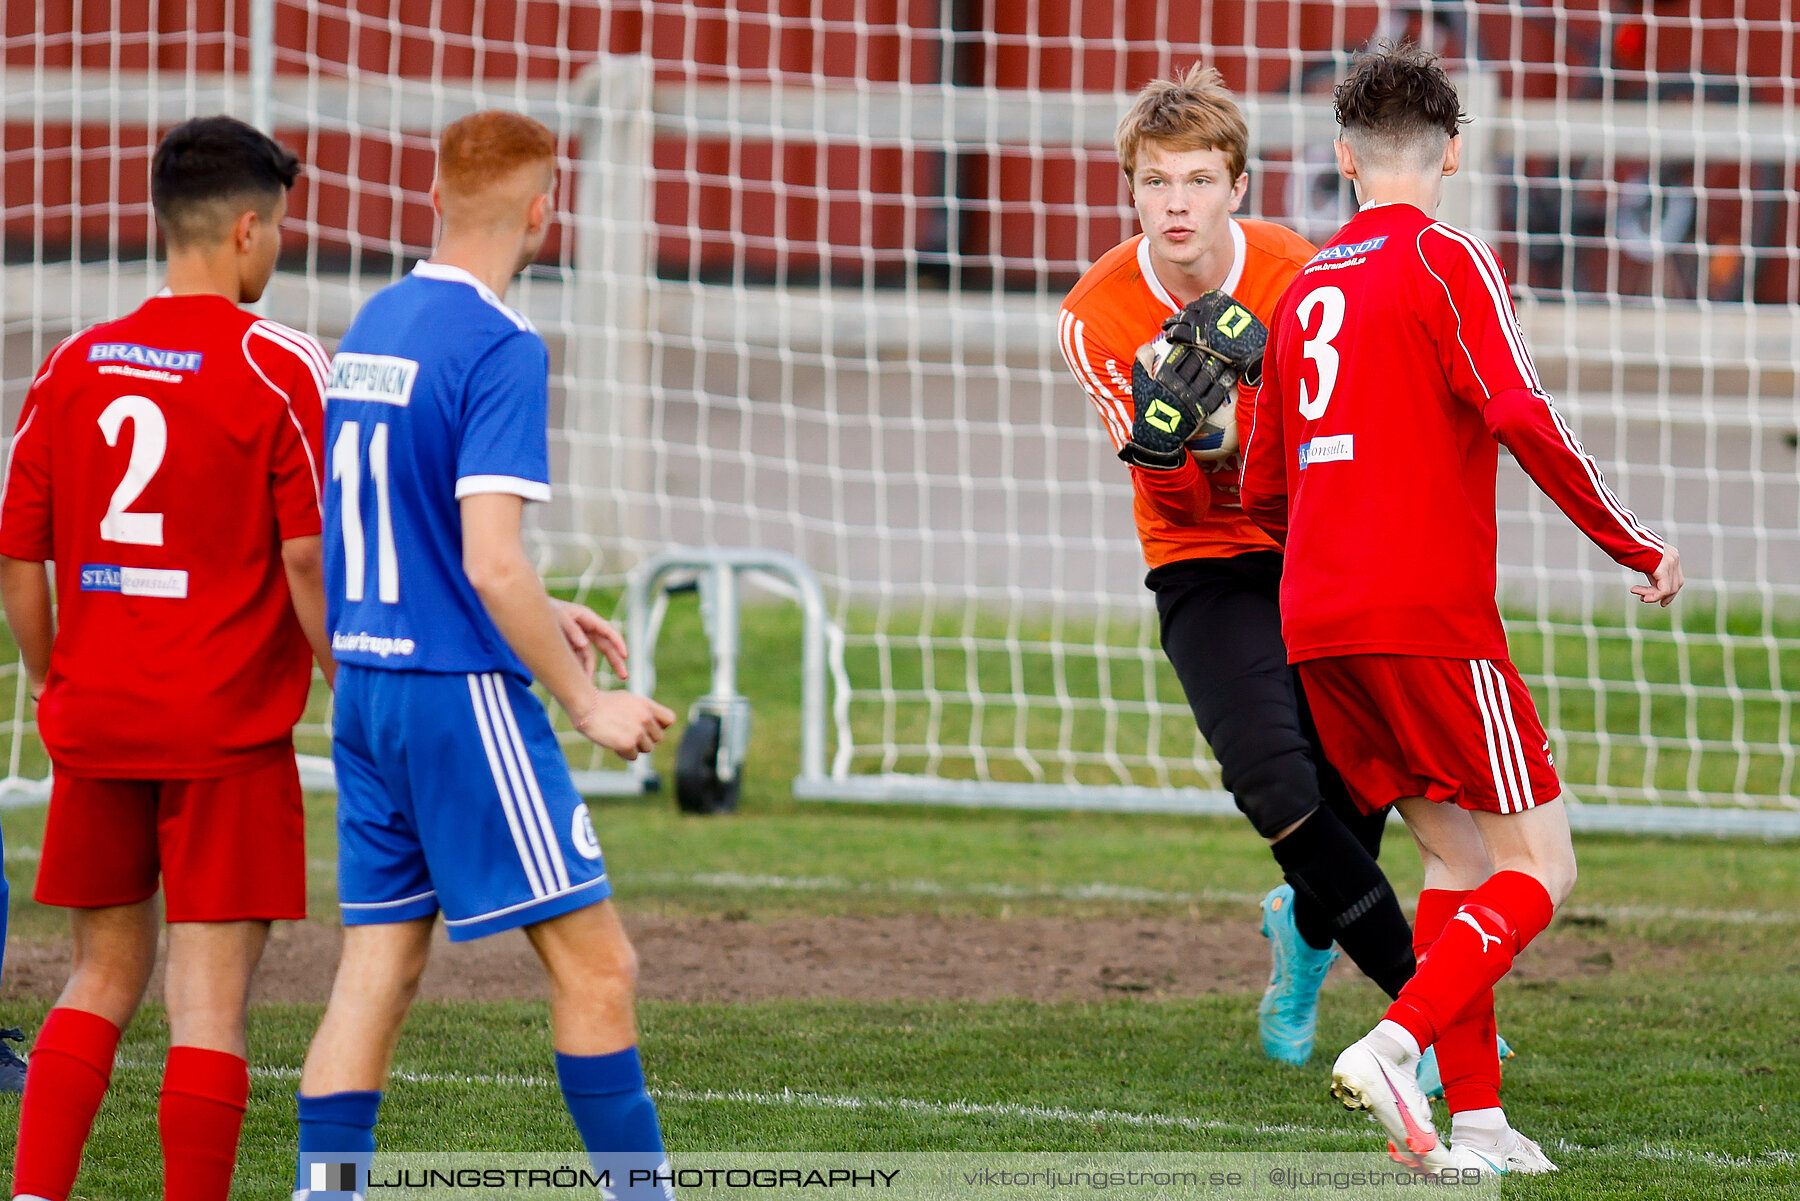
{"x": 1221, "y": 628}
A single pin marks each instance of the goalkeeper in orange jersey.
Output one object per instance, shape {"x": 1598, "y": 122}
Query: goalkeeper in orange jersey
{"x": 1183, "y": 147}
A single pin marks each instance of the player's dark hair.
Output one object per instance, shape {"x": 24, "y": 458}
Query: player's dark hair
{"x": 208, "y": 170}
{"x": 1396, "y": 93}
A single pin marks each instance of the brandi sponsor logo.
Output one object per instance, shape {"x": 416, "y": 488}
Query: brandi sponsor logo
{"x": 1348, "y": 250}
{"x": 144, "y": 356}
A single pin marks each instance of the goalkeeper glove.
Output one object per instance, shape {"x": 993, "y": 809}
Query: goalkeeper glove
{"x": 1188, "y": 373}
{"x": 1162, "y": 421}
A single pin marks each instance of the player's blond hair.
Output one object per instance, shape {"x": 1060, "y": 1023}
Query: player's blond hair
{"x": 1195, "y": 112}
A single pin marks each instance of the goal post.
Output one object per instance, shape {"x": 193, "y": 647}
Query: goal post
{"x": 803, "y": 299}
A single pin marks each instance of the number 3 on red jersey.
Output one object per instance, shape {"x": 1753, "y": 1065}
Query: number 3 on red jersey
{"x": 1318, "y": 348}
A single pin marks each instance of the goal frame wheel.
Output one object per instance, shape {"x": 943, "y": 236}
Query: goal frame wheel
{"x": 700, "y": 787}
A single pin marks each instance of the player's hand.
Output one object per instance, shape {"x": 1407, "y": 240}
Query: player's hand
{"x": 590, "y": 636}
{"x": 1229, "y": 335}
{"x": 624, "y": 723}
{"x": 1664, "y": 583}
{"x": 1187, "y": 373}
{"x": 1162, "y": 420}
{"x": 35, "y": 686}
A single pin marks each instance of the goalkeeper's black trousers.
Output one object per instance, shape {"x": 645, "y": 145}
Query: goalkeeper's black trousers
{"x": 1221, "y": 628}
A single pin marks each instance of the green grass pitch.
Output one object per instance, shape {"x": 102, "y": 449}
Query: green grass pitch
{"x": 1677, "y": 1076}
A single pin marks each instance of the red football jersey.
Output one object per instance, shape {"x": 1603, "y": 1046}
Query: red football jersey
{"x": 161, "y": 460}
{"x": 1116, "y": 307}
{"x": 1395, "y": 361}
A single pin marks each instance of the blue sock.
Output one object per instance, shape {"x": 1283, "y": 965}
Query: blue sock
{"x": 336, "y": 1122}
{"x": 5, "y": 902}
{"x": 606, "y": 1097}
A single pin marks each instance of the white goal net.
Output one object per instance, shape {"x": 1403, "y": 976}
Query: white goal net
{"x": 804, "y": 300}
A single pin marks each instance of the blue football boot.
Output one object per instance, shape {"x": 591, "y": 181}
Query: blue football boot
{"x": 1288, "y": 1016}
{"x": 1432, "y": 1085}
{"x": 12, "y": 1068}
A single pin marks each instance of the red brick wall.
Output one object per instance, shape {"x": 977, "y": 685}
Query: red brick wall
{"x": 797, "y": 210}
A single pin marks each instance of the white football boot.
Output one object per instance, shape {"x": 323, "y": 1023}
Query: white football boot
{"x": 1515, "y": 1155}
{"x": 1365, "y": 1077}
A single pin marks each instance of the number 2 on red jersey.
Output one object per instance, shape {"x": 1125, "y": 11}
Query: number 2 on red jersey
{"x": 149, "y": 443}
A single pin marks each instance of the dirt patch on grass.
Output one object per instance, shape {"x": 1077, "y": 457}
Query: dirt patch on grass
{"x": 915, "y": 957}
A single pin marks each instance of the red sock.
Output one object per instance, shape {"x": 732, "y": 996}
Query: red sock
{"x": 1476, "y": 948}
{"x": 1468, "y": 1064}
{"x": 1468, "y": 1061}
{"x": 71, "y": 1065}
{"x": 1436, "y": 907}
{"x": 201, "y": 1113}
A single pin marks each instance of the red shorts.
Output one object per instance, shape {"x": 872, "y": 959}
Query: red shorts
{"x": 229, "y": 848}
{"x": 1462, "y": 730}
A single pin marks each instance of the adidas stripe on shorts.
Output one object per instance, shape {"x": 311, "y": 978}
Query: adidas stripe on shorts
{"x": 1458, "y": 730}
{"x": 454, "y": 796}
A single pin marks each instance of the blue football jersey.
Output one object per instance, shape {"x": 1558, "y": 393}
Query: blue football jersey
{"x": 438, "y": 391}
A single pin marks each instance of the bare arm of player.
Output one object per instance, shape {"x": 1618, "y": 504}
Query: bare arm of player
{"x": 25, "y": 594}
{"x": 303, "y": 560}
{"x": 502, "y": 575}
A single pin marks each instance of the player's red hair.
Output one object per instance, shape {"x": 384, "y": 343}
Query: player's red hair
{"x": 484, "y": 148}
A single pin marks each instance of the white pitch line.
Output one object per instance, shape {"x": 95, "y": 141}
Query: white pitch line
{"x": 1032, "y": 1113}
{"x": 806, "y": 1100}
{"x": 738, "y": 881}
{"x": 1662, "y": 1153}
{"x": 935, "y": 888}
{"x": 1659, "y": 913}
{"x": 1649, "y": 1152}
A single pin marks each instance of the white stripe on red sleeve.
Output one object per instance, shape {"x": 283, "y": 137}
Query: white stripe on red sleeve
{"x": 50, "y": 363}
{"x": 1608, "y": 497}
{"x": 305, "y": 348}
{"x": 12, "y": 450}
{"x": 287, "y": 402}
{"x": 12, "y": 446}
{"x": 1544, "y": 428}
{"x": 1487, "y": 270}
{"x": 1450, "y": 299}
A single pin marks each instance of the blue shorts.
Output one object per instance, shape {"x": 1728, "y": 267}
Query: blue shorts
{"x": 453, "y": 794}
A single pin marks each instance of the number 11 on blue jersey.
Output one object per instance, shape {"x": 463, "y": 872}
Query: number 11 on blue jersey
{"x": 346, "y": 472}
